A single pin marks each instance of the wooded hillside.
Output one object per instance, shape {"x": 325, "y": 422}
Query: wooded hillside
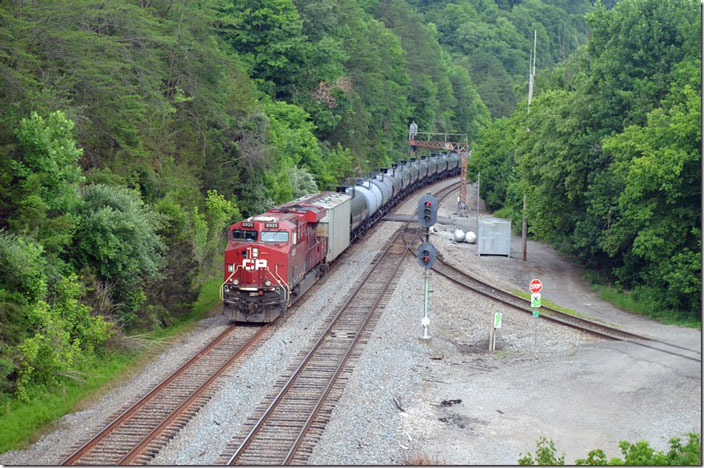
{"x": 132, "y": 132}
{"x": 609, "y": 155}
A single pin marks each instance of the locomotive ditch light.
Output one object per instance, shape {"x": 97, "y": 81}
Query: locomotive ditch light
{"x": 236, "y": 282}
{"x": 267, "y": 283}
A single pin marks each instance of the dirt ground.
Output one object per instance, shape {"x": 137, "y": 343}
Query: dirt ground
{"x": 590, "y": 396}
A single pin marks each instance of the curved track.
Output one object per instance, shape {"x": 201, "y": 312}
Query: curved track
{"x": 509, "y": 299}
{"x": 290, "y": 423}
{"x": 137, "y": 433}
{"x": 468, "y": 281}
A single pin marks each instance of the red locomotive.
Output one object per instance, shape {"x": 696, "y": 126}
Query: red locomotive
{"x": 273, "y": 258}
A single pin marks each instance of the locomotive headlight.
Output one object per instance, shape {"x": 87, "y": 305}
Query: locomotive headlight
{"x": 255, "y": 252}
{"x": 236, "y": 282}
{"x": 267, "y": 283}
{"x": 230, "y": 268}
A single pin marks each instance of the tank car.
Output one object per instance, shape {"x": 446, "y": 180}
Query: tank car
{"x": 274, "y": 258}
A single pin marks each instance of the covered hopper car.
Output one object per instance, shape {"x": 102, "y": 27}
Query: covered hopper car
{"x": 272, "y": 259}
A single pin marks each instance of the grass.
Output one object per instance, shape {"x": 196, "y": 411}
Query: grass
{"x": 23, "y": 423}
{"x": 643, "y": 301}
{"x": 552, "y": 305}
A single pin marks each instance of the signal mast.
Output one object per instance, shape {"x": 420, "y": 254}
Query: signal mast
{"x": 440, "y": 141}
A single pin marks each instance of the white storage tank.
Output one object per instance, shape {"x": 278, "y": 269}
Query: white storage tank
{"x": 494, "y": 237}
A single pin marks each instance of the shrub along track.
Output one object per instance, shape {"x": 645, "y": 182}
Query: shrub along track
{"x": 494, "y": 293}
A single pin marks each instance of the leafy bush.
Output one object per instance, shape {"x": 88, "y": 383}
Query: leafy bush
{"x": 117, "y": 235}
{"x": 640, "y": 453}
{"x": 544, "y": 454}
{"x": 208, "y": 229}
{"x": 60, "y": 336}
{"x": 22, "y": 268}
{"x": 42, "y": 183}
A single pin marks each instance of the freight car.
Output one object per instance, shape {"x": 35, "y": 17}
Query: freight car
{"x": 272, "y": 259}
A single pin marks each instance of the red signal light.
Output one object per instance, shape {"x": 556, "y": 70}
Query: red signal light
{"x": 427, "y": 203}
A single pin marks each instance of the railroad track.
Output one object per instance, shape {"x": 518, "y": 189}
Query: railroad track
{"x": 444, "y": 192}
{"x": 289, "y": 423}
{"x": 137, "y": 434}
{"x": 468, "y": 281}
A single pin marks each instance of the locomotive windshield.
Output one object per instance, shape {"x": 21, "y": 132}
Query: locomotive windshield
{"x": 275, "y": 236}
{"x": 244, "y": 235}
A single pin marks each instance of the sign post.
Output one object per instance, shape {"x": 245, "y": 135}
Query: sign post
{"x": 426, "y": 255}
{"x": 535, "y": 287}
{"x": 497, "y": 325}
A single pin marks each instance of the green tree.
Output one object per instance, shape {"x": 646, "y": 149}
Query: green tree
{"x": 117, "y": 235}
{"x": 608, "y": 153}
{"x": 117, "y": 239}
{"x": 41, "y": 185}
{"x": 269, "y": 35}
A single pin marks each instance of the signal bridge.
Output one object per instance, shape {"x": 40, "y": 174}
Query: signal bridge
{"x": 456, "y": 142}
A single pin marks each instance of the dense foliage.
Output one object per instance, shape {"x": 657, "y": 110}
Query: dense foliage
{"x": 609, "y": 154}
{"x": 133, "y": 131}
{"x": 638, "y": 454}
{"x": 493, "y": 40}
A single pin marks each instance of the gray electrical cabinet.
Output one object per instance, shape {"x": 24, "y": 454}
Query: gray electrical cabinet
{"x": 494, "y": 237}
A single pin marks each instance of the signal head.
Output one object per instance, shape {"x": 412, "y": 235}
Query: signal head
{"x": 427, "y": 211}
{"x": 426, "y": 255}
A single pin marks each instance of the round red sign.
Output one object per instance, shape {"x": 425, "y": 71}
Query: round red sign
{"x": 535, "y": 286}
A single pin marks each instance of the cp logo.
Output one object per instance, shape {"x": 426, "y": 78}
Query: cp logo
{"x": 251, "y": 264}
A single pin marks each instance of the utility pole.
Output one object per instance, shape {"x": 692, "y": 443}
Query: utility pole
{"x": 531, "y": 77}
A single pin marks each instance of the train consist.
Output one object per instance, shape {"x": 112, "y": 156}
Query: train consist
{"x": 272, "y": 259}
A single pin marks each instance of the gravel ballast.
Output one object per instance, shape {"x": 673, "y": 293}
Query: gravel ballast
{"x": 446, "y": 399}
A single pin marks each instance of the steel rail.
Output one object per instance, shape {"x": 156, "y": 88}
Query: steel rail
{"x": 340, "y": 367}
{"x": 564, "y": 318}
{"x": 137, "y": 450}
{"x": 286, "y": 387}
{"x": 76, "y": 455}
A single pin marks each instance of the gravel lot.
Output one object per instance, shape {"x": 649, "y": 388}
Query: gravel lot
{"x": 447, "y": 399}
